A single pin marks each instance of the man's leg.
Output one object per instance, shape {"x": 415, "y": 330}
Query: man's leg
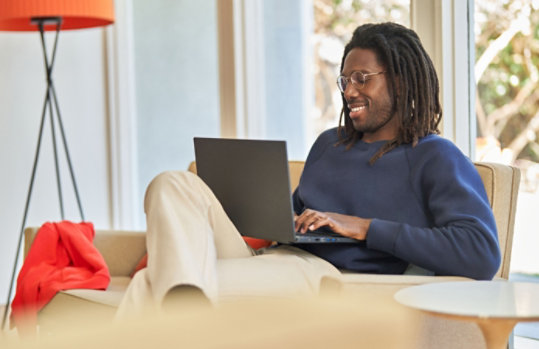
{"x": 282, "y": 272}
{"x": 187, "y": 230}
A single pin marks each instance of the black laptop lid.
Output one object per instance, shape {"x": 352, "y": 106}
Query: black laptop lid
{"x": 250, "y": 178}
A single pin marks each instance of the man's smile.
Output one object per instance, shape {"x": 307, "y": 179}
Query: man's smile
{"x": 356, "y": 109}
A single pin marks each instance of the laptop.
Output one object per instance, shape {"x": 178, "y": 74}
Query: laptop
{"x": 251, "y": 180}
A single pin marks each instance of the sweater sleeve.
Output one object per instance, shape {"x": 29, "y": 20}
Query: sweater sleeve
{"x": 462, "y": 239}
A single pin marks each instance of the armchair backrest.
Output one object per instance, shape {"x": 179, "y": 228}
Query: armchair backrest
{"x": 295, "y": 170}
{"x": 501, "y": 184}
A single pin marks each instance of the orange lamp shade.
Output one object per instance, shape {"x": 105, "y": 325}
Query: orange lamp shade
{"x": 17, "y": 15}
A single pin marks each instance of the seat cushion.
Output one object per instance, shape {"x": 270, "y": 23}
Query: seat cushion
{"x": 83, "y": 306}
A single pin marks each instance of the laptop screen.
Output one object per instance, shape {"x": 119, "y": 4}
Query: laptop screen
{"x": 250, "y": 178}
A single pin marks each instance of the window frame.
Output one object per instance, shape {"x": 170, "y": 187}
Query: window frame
{"x": 446, "y": 31}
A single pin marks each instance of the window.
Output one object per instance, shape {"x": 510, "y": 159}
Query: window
{"x": 273, "y": 64}
{"x": 507, "y": 108}
{"x": 287, "y": 62}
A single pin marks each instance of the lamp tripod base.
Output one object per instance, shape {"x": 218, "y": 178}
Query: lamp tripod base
{"x": 51, "y": 106}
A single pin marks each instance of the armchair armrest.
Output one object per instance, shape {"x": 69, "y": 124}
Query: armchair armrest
{"x": 121, "y": 249}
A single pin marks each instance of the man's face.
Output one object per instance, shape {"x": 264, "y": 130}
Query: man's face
{"x": 371, "y": 107}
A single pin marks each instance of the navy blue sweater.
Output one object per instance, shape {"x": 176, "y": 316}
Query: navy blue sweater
{"x": 427, "y": 203}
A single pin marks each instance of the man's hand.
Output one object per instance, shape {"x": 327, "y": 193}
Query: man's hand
{"x": 349, "y": 226}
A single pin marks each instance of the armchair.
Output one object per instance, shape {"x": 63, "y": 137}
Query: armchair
{"x": 122, "y": 251}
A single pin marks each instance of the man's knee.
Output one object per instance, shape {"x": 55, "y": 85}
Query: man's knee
{"x": 170, "y": 181}
{"x": 172, "y": 178}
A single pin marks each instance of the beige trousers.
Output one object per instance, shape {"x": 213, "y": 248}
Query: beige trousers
{"x": 191, "y": 241}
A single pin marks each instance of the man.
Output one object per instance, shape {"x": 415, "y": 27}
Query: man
{"x": 421, "y": 202}
{"x": 385, "y": 178}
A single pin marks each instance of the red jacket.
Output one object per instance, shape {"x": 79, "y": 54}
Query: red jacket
{"x": 61, "y": 257}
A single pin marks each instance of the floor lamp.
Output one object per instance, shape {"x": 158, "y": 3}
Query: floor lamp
{"x": 42, "y": 16}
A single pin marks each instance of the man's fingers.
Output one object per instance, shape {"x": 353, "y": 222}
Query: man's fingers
{"x": 312, "y": 220}
{"x": 316, "y": 221}
{"x": 320, "y": 222}
{"x": 306, "y": 219}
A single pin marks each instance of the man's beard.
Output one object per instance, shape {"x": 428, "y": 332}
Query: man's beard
{"x": 376, "y": 119}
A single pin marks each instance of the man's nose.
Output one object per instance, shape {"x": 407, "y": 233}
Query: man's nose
{"x": 350, "y": 91}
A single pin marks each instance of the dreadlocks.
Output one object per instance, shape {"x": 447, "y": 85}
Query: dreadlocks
{"x": 413, "y": 84}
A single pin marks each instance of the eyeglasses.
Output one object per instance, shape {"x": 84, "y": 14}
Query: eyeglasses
{"x": 357, "y": 78}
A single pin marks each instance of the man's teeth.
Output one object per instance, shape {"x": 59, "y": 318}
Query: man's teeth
{"x": 356, "y": 109}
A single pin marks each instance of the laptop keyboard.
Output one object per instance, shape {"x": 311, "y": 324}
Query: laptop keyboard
{"x": 320, "y": 232}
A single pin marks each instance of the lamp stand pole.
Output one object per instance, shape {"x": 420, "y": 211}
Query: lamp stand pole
{"x": 50, "y": 104}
